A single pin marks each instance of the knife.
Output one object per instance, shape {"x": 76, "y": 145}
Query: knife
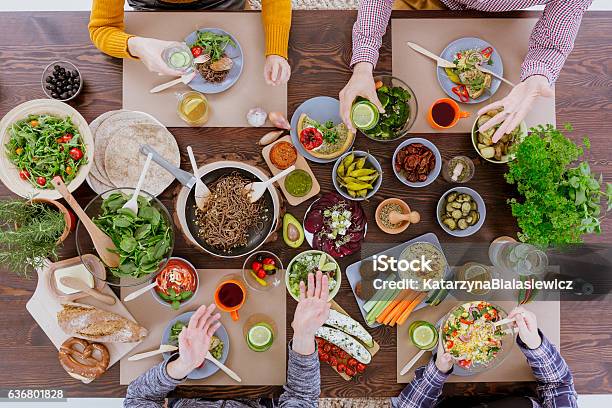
{"x": 441, "y": 62}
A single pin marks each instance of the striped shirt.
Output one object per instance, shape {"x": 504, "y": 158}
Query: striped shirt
{"x": 554, "y": 379}
{"x": 550, "y": 43}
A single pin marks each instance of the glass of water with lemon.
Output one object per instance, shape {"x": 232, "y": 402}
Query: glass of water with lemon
{"x": 364, "y": 114}
{"x": 259, "y": 332}
{"x": 193, "y": 108}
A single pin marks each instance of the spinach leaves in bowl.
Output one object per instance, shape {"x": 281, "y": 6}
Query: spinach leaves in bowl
{"x": 143, "y": 240}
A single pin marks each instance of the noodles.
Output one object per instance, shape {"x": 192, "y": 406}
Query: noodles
{"x": 228, "y": 215}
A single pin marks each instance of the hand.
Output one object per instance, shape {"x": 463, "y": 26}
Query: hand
{"x": 194, "y": 342}
{"x": 527, "y": 327}
{"x": 360, "y": 84}
{"x": 311, "y": 312}
{"x": 444, "y": 361}
{"x": 149, "y": 50}
{"x": 516, "y": 105}
{"x": 277, "y": 70}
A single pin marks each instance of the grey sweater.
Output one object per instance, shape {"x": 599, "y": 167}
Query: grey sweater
{"x": 301, "y": 391}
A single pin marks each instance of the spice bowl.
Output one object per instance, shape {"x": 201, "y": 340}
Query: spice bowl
{"x": 66, "y": 77}
{"x": 394, "y": 204}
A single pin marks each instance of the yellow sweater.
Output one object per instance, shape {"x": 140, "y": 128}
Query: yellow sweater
{"x": 106, "y": 27}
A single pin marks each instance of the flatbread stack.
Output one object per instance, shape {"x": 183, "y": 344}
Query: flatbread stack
{"x": 117, "y": 161}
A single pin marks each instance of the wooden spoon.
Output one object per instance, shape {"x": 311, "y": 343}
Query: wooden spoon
{"x": 396, "y": 218}
{"x": 103, "y": 243}
{"x": 257, "y": 189}
{"x": 139, "y": 292}
{"x": 78, "y": 284}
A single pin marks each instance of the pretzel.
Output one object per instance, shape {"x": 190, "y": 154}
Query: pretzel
{"x": 83, "y": 363}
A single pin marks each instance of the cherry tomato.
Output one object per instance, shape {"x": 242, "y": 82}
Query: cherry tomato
{"x": 487, "y": 316}
{"x": 327, "y": 347}
{"x": 454, "y": 333}
{"x": 481, "y": 306}
{"x": 343, "y": 354}
{"x": 465, "y": 363}
{"x": 465, "y": 321}
{"x": 19, "y": 150}
{"x": 349, "y": 371}
{"x": 311, "y": 138}
{"x": 24, "y": 175}
{"x": 333, "y": 361}
{"x": 325, "y": 357}
{"x": 68, "y": 170}
{"x": 33, "y": 123}
{"x": 256, "y": 266}
{"x": 196, "y": 51}
{"x": 352, "y": 362}
{"x": 269, "y": 261}
{"x": 64, "y": 139}
{"x": 341, "y": 368}
{"x": 41, "y": 181}
{"x": 449, "y": 344}
{"x": 320, "y": 342}
{"x": 76, "y": 153}
{"x": 361, "y": 367}
{"x": 261, "y": 274}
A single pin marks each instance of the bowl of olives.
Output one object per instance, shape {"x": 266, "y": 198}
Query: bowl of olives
{"x": 461, "y": 211}
{"x": 61, "y": 80}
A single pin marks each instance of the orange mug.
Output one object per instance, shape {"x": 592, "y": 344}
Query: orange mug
{"x": 230, "y": 296}
{"x": 447, "y": 109}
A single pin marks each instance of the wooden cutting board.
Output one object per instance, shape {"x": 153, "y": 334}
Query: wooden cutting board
{"x": 44, "y": 305}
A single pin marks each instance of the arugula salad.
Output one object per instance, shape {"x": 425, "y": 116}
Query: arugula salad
{"x": 142, "y": 240}
{"x": 45, "y": 146}
{"x": 397, "y": 112}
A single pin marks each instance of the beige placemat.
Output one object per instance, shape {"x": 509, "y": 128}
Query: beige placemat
{"x": 228, "y": 108}
{"x": 514, "y": 368}
{"x": 509, "y": 36}
{"x": 267, "y": 368}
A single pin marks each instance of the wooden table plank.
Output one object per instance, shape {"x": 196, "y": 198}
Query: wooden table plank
{"x": 320, "y": 51}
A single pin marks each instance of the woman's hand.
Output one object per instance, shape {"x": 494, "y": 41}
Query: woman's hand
{"x": 527, "y": 327}
{"x": 360, "y": 84}
{"x": 194, "y": 342}
{"x": 516, "y": 104}
{"x": 149, "y": 51}
{"x": 444, "y": 361}
{"x": 311, "y": 312}
{"x": 277, "y": 70}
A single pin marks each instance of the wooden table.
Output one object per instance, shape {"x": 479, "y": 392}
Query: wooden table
{"x": 320, "y": 51}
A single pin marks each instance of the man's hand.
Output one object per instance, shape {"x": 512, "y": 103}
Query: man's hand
{"x": 516, "y": 105}
{"x": 194, "y": 342}
{"x": 527, "y": 327}
{"x": 311, "y": 312}
{"x": 277, "y": 70}
{"x": 444, "y": 361}
{"x": 149, "y": 51}
{"x": 360, "y": 84}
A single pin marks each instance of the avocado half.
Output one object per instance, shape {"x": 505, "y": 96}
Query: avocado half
{"x": 293, "y": 233}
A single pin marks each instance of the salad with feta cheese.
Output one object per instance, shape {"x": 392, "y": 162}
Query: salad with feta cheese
{"x": 338, "y": 225}
{"x": 311, "y": 262}
{"x": 470, "y": 336}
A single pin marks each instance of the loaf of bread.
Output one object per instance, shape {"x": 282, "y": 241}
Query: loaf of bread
{"x": 93, "y": 324}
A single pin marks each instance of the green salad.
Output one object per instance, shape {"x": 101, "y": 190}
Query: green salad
{"x": 310, "y": 262}
{"x": 397, "y": 112}
{"x": 216, "y": 345}
{"x": 45, "y": 146}
{"x": 212, "y": 44}
{"x": 142, "y": 240}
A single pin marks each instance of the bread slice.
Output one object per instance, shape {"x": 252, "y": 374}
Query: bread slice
{"x": 93, "y": 324}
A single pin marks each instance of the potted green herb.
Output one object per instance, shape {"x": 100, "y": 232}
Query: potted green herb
{"x": 561, "y": 196}
{"x": 30, "y": 231}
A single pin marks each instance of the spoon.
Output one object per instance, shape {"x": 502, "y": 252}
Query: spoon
{"x": 78, "y": 284}
{"x": 103, "y": 243}
{"x": 132, "y": 203}
{"x": 163, "y": 348}
{"x": 396, "y": 218}
{"x": 201, "y": 191}
{"x": 139, "y": 292}
{"x": 257, "y": 189}
{"x": 223, "y": 367}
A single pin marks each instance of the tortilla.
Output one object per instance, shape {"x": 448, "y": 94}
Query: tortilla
{"x": 108, "y": 128}
{"x": 96, "y": 185}
{"x": 94, "y": 125}
{"x": 123, "y": 160}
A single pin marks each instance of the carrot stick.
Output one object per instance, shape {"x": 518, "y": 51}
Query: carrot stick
{"x": 390, "y": 307}
{"x": 402, "y": 307}
{"x": 411, "y": 307}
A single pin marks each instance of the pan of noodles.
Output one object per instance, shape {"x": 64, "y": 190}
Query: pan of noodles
{"x": 229, "y": 225}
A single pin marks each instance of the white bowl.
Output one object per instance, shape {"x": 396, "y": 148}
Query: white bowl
{"x": 482, "y": 210}
{"x": 334, "y": 292}
{"x": 9, "y": 174}
{"x": 432, "y": 175}
{"x": 372, "y": 161}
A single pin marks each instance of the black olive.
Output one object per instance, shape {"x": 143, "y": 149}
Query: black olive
{"x": 49, "y": 87}
{"x": 76, "y": 81}
{"x": 48, "y": 79}
{"x": 56, "y": 67}
{"x": 75, "y": 74}
{"x": 54, "y": 95}
{"x": 271, "y": 272}
{"x": 68, "y": 74}
{"x": 259, "y": 258}
{"x": 62, "y": 70}
{"x": 64, "y": 95}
